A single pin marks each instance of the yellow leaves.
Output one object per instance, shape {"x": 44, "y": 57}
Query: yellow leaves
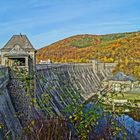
{"x": 118, "y": 129}
{"x": 86, "y": 126}
{"x": 33, "y": 101}
{"x": 75, "y": 118}
{"x": 1, "y": 126}
{"x": 32, "y": 122}
{"x": 126, "y": 61}
{"x": 81, "y": 112}
{"x": 123, "y": 48}
{"x": 107, "y": 60}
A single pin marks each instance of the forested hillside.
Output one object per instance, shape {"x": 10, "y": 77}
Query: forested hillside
{"x": 123, "y": 48}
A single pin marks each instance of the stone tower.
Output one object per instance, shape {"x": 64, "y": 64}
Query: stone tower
{"x": 20, "y": 52}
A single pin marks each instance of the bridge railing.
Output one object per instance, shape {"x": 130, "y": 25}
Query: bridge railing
{"x": 4, "y": 75}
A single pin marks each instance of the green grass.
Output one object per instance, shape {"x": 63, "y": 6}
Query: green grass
{"x": 106, "y": 39}
{"x": 112, "y": 37}
{"x": 2, "y": 73}
{"x": 128, "y": 96}
{"x": 81, "y": 43}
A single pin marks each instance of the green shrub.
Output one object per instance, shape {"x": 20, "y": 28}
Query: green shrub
{"x": 81, "y": 43}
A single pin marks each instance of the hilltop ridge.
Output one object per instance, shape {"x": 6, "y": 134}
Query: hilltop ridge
{"x": 65, "y": 50}
{"x": 123, "y": 48}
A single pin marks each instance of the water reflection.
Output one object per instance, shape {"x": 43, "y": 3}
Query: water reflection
{"x": 131, "y": 125}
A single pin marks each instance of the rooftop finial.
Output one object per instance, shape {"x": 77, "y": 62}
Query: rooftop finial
{"x": 20, "y": 34}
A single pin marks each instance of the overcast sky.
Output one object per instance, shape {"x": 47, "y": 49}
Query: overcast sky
{"x": 47, "y": 21}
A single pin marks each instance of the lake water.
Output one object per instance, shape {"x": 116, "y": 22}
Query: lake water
{"x": 132, "y": 127}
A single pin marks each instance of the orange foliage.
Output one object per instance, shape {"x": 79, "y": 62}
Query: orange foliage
{"x": 123, "y": 48}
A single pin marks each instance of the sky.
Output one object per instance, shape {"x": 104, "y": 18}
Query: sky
{"x": 47, "y": 21}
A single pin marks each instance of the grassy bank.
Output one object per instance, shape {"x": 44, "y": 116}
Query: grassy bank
{"x": 127, "y": 96}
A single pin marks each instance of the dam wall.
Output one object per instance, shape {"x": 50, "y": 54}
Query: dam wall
{"x": 69, "y": 83}
{"x": 4, "y": 76}
{"x": 9, "y": 123}
{"x": 59, "y": 89}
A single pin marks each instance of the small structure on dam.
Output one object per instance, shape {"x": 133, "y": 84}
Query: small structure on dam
{"x": 18, "y": 51}
{"x": 122, "y": 83}
{"x": 18, "y": 57}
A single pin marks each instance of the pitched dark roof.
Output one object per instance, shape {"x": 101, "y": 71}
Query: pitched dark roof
{"x": 120, "y": 76}
{"x": 21, "y": 40}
